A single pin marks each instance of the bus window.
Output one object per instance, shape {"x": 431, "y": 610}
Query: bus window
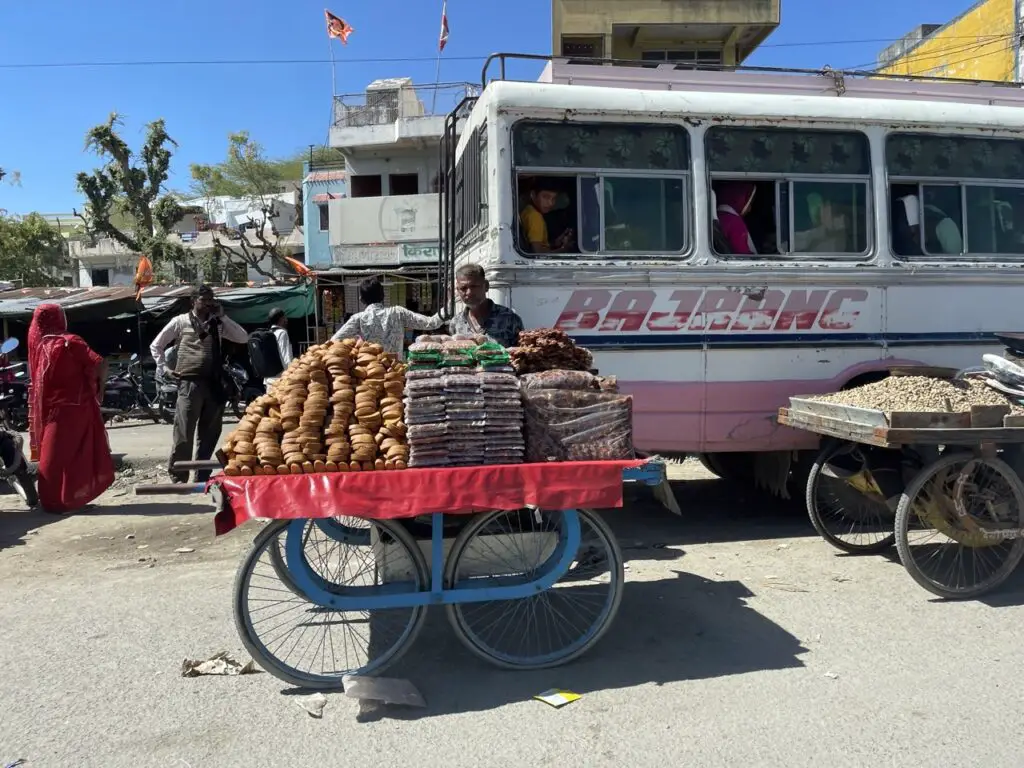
{"x": 991, "y": 212}
{"x": 810, "y": 190}
{"x": 612, "y": 187}
{"x": 925, "y": 219}
{"x": 939, "y": 182}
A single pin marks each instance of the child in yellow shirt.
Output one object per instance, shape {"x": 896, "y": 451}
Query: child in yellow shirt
{"x": 535, "y": 228}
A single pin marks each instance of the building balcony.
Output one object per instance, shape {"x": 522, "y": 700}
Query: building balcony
{"x": 394, "y": 112}
{"x": 382, "y": 220}
{"x": 694, "y": 32}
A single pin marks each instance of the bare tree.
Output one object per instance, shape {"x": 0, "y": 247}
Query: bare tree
{"x": 247, "y": 173}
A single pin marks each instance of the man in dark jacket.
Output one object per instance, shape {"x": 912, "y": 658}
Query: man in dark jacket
{"x": 197, "y": 337}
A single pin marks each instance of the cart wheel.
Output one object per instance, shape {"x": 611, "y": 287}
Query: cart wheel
{"x": 550, "y": 627}
{"x": 943, "y": 512}
{"x": 846, "y": 506}
{"x": 320, "y": 538}
{"x": 313, "y": 647}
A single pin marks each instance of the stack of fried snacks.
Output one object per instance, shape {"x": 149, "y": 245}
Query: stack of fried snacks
{"x": 337, "y": 408}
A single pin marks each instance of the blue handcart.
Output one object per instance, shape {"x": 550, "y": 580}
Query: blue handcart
{"x": 318, "y": 599}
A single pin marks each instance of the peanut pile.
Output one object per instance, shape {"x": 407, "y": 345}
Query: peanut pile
{"x": 337, "y": 408}
{"x": 918, "y": 394}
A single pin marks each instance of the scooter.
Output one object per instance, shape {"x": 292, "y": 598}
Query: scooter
{"x": 125, "y": 396}
{"x": 14, "y": 468}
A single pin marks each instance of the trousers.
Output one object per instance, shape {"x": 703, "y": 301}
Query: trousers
{"x": 198, "y": 418}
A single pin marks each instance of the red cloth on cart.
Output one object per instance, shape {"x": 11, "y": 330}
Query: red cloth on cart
{"x": 411, "y": 492}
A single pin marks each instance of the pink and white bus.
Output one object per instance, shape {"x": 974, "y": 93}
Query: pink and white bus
{"x": 884, "y": 225}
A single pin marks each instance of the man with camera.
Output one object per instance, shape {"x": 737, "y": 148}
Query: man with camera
{"x": 198, "y": 369}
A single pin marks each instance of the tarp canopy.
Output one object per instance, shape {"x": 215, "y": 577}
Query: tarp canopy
{"x": 248, "y": 306}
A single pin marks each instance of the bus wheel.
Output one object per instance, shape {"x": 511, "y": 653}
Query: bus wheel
{"x": 737, "y": 467}
{"x": 760, "y": 471}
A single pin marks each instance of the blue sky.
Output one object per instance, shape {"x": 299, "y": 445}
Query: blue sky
{"x": 45, "y": 112}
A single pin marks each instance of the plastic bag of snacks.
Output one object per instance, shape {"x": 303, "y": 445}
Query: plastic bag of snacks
{"x": 571, "y": 425}
{"x": 560, "y": 379}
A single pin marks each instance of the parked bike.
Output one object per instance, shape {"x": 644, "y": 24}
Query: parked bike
{"x": 240, "y": 390}
{"x": 124, "y": 394}
{"x": 14, "y": 468}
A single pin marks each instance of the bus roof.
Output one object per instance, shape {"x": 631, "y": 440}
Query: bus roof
{"x": 826, "y": 82}
{"x": 728, "y": 105}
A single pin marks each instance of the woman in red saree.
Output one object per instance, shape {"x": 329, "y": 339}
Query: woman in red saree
{"x": 66, "y": 431}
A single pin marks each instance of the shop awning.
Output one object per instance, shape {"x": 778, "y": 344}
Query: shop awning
{"x": 244, "y": 305}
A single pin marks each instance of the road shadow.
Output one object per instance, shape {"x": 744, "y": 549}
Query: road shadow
{"x": 16, "y": 523}
{"x": 668, "y": 631}
{"x": 713, "y": 511}
{"x": 1008, "y": 594}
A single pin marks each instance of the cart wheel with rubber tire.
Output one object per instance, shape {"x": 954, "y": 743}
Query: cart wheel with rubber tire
{"x": 846, "y": 506}
{"x": 311, "y": 646}
{"x": 958, "y": 525}
{"x": 321, "y": 539}
{"x": 552, "y": 626}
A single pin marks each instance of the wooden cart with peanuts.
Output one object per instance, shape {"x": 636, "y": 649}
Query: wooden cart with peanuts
{"x": 928, "y": 459}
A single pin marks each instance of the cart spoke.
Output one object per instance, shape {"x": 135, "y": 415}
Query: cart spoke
{"x": 313, "y": 646}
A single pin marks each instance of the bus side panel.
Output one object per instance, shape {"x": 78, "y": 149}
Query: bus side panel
{"x": 710, "y": 367}
{"x": 951, "y": 324}
{"x": 667, "y": 382}
{"x": 774, "y": 343}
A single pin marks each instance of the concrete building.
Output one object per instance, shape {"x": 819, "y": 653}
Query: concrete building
{"x": 688, "y": 31}
{"x": 320, "y": 185}
{"x": 982, "y": 43}
{"x": 390, "y": 138}
{"x": 385, "y": 220}
{"x": 108, "y": 263}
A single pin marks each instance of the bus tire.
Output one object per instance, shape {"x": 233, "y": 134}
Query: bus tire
{"x": 736, "y": 467}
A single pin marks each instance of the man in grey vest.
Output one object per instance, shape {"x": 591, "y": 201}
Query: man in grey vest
{"x": 200, "y": 407}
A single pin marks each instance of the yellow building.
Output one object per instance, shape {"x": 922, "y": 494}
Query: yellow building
{"x": 979, "y": 44}
{"x": 687, "y": 31}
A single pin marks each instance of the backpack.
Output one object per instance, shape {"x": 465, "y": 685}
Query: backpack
{"x": 264, "y": 353}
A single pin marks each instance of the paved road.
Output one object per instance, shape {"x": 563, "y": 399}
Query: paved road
{"x": 742, "y": 641}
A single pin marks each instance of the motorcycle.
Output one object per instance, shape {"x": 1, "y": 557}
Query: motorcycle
{"x": 124, "y": 394}
{"x": 166, "y": 396}
{"x": 14, "y": 468}
{"x": 239, "y": 391}
{"x": 14, "y": 399}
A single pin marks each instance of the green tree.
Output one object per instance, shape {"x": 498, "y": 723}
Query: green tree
{"x": 247, "y": 173}
{"x": 31, "y": 251}
{"x": 126, "y": 199}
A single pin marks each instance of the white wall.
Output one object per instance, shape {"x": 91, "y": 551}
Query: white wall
{"x": 393, "y": 219}
{"x": 423, "y": 163}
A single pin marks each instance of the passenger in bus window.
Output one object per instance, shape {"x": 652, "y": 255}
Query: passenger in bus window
{"x": 543, "y": 198}
{"x": 828, "y": 232}
{"x": 734, "y": 201}
{"x": 941, "y": 234}
{"x": 718, "y": 238}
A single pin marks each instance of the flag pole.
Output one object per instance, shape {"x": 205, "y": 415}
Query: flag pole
{"x": 442, "y": 41}
{"x": 437, "y": 80}
{"x": 334, "y": 80}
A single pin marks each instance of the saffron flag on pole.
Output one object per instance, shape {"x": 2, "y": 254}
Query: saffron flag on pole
{"x": 337, "y": 27}
{"x": 143, "y": 276}
{"x": 443, "y": 40}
